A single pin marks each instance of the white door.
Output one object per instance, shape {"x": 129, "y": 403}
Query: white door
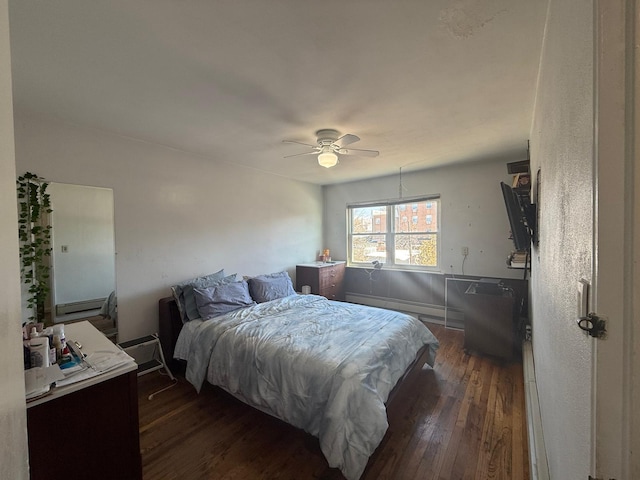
{"x": 613, "y": 248}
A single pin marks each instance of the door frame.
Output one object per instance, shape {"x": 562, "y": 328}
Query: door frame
{"x": 613, "y": 241}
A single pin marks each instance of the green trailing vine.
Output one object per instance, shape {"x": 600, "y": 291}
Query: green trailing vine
{"x": 34, "y": 232}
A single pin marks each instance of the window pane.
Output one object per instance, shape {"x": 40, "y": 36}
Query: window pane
{"x": 367, "y": 248}
{"x": 404, "y": 234}
{"x": 431, "y": 209}
{"x": 417, "y": 250}
{"x": 418, "y": 222}
{"x": 369, "y": 220}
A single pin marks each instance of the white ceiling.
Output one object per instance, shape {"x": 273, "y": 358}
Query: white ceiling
{"x": 425, "y": 82}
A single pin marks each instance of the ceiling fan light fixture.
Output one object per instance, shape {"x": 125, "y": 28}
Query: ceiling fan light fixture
{"x": 331, "y": 146}
{"x": 327, "y": 159}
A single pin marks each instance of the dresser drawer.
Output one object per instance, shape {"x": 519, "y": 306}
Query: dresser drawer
{"x": 331, "y": 276}
{"x": 332, "y": 292}
{"x": 325, "y": 279}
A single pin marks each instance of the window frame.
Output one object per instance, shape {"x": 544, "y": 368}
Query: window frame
{"x": 390, "y": 234}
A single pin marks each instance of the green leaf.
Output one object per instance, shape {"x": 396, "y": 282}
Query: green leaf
{"x": 35, "y": 239}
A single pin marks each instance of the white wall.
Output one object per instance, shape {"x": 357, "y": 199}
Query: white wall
{"x": 562, "y": 146}
{"x": 13, "y": 418}
{"x": 177, "y": 215}
{"x": 473, "y": 213}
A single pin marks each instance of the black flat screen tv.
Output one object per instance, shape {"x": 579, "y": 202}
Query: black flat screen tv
{"x": 517, "y": 218}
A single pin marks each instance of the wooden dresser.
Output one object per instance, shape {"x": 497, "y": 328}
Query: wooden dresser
{"x": 326, "y": 279}
{"x": 88, "y": 429}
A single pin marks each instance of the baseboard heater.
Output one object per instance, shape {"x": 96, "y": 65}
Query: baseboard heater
{"x": 82, "y": 306}
{"x": 434, "y": 313}
{"x": 539, "y": 469}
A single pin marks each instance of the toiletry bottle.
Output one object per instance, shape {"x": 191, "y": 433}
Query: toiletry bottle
{"x": 59, "y": 330}
{"x": 57, "y": 344}
{"x": 39, "y": 351}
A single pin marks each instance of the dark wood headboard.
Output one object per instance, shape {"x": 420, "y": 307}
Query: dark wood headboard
{"x": 169, "y": 328}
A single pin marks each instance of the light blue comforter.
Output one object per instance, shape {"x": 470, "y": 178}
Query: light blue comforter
{"x": 326, "y": 367}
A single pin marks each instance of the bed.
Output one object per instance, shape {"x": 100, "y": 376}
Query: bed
{"x": 331, "y": 368}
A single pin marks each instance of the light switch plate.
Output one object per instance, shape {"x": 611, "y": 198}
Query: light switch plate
{"x": 583, "y": 298}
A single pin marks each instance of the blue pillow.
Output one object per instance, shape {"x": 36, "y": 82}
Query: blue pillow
{"x": 189, "y": 296}
{"x": 265, "y": 288}
{"x": 178, "y": 291}
{"x": 220, "y": 299}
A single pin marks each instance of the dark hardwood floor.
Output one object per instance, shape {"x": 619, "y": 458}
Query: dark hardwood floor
{"x": 464, "y": 420}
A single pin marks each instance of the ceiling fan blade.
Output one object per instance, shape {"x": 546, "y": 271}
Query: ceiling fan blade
{"x": 300, "y": 143}
{"x": 359, "y": 152}
{"x": 300, "y": 154}
{"x": 345, "y": 140}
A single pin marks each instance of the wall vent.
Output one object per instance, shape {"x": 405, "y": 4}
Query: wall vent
{"x": 83, "y": 306}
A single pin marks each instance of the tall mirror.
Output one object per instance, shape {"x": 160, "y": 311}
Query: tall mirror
{"x": 83, "y": 285}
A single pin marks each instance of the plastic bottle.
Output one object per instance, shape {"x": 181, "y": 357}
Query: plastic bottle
{"x": 57, "y": 344}
{"x": 39, "y": 352}
{"x": 59, "y": 330}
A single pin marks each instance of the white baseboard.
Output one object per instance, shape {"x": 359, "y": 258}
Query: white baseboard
{"x": 539, "y": 469}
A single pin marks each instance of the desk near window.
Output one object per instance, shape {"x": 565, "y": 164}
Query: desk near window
{"x": 490, "y": 319}
{"x": 90, "y": 426}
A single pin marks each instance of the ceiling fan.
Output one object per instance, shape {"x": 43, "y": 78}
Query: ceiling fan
{"x": 330, "y": 145}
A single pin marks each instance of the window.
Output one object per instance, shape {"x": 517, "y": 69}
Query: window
{"x": 383, "y": 232}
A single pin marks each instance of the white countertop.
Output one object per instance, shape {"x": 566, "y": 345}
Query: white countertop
{"x": 93, "y": 342}
{"x": 321, "y": 264}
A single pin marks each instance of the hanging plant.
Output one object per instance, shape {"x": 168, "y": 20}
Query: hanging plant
{"x": 34, "y": 233}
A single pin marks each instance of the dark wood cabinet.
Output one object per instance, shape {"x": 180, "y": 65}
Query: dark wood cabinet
{"x": 92, "y": 432}
{"x": 489, "y": 321}
{"x": 88, "y": 429}
{"x": 326, "y": 279}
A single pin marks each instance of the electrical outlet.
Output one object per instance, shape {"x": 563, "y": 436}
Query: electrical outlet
{"x": 64, "y": 248}
{"x": 464, "y": 251}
